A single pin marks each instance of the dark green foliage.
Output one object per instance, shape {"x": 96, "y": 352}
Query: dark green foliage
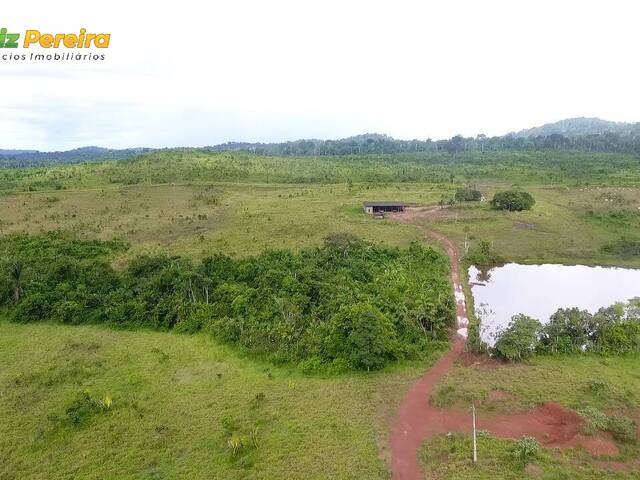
{"x": 621, "y": 336}
{"x": 622, "y": 428}
{"x": 569, "y": 330}
{"x": 612, "y": 330}
{"x": 624, "y": 247}
{"x": 362, "y": 336}
{"x": 467, "y": 194}
{"x": 513, "y": 201}
{"x": 474, "y": 342}
{"x": 80, "y": 411}
{"x": 519, "y": 340}
{"x": 348, "y": 304}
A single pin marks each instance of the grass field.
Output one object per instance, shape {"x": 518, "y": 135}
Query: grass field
{"x": 193, "y": 220}
{"x": 448, "y": 457}
{"x": 569, "y": 380}
{"x": 566, "y": 225}
{"x": 176, "y": 402}
{"x": 607, "y": 384}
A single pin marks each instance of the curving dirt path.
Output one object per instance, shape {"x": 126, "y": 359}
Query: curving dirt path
{"x": 417, "y": 419}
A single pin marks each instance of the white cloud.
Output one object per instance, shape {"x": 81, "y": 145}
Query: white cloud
{"x": 200, "y": 73}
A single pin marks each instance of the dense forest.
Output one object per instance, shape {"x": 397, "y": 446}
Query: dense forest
{"x": 345, "y": 305}
{"x": 379, "y": 144}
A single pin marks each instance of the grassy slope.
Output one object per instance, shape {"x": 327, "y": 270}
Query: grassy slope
{"x": 167, "y": 416}
{"x": 610, "y": 384}
{"x": 172, "y": 397}
{"x": 557, "y": 230}
{"x": 245, "y": 220}
{"x": 448, "y": 457}
{"x": 565, "y": 379}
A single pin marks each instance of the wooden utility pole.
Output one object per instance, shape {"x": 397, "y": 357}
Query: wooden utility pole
{"x": 475, "y": 444}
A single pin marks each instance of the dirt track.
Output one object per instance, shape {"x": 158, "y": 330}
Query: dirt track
{"x": 417, "y": 419}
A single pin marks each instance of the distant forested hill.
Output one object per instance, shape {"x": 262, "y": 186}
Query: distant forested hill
{"x": 574, "y": 127}
{"x": 31, "y": 158}
{"x": 577, "y": 134}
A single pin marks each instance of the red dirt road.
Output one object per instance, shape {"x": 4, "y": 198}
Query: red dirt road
{"x": 417, "y": 419}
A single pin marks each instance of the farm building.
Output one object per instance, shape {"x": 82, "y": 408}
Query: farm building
{"x": 380, "y": 207}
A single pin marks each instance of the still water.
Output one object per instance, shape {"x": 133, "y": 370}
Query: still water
{"x": 539, "y": 290}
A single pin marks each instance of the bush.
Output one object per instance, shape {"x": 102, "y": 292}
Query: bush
{"x": 513, "y": 200}
{"x": 525, "y": 449}
{"x": 483, "y": 254}
{"x": 622, "y": 428}
{"x": 519, "y": 340}
{"x": 595, "y": 419}
{"x": 82, "y": 408}
{"x": 467, "y": 194}
{"x": 474, "y": 342}
{"x": 619, "y": 337}
{"x": 198, "y": 318}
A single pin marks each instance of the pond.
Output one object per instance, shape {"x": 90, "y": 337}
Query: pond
{"x": 539, "y": 290}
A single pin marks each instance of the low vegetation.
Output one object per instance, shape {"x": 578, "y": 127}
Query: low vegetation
{"x": 448, "y": 457}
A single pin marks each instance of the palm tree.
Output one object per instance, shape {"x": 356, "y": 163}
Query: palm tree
{"x": 16, "y": 275}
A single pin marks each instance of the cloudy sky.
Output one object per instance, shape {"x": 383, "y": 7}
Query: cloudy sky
{"x": 199, "y": 73}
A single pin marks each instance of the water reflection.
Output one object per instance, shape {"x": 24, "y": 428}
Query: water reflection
{"x": 539, "y": 290}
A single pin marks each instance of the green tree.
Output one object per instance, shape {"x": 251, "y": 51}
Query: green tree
{"x": 362, "y": 336}
{"x": 513, "y": 201}
{"x": 519, "y": 340}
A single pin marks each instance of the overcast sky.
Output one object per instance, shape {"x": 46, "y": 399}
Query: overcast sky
{"x": 197, "y": 73}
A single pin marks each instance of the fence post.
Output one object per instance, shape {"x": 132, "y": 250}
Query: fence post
{"x": 475, "y": 444}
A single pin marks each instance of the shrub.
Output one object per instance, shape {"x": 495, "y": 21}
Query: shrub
{"x": 483, "y": 254}
{"x": 622, "y": 428}
{"x": 474, "y": 342}
{"x": 525, "y": 449}
{"x": 594, "y": 418}
{"x": 624, "y": 247}
{"x": 619, "y": 337}
{"x": 519, "y": 340}
{"x": 467, "y": 194}
{"x": 236, "y": 444}
{"x": 513, "y": 200}
{"x": 82, "y": 408}
{"x": 198, "y": 318}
